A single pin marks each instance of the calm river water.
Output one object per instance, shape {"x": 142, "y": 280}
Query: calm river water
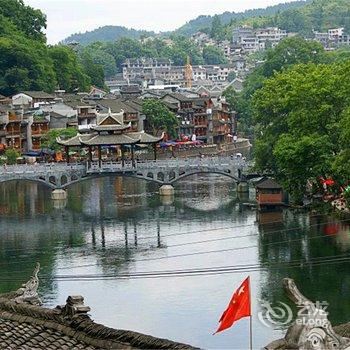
{"x": 113, "y": 225}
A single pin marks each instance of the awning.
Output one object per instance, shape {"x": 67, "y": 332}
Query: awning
{"x": 33, "y": 154}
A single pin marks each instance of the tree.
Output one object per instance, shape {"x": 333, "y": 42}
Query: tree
{"x": 50, "y": 138}
{"x": 23, "y": 58}
{"x": 289, "y": 52}
{"x": 95, "y": 54}
{"x": 159, "y": 117}
{"x": 28, "y": 20}
{"x": 217, "y": 30}
{"x": 300, "y": 159}
{"x": 11, "y": 156}
{"x": 341, "y": 163}
{"x": 70, "y": 74}
{"x": 213, "y": 55}
{"x": 93, "y": 70}
{"x": 303, "y": 125}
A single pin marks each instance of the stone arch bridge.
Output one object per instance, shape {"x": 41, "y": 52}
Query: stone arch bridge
{"x": 164, "y": 172}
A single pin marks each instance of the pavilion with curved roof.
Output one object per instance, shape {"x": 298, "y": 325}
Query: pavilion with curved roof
{"x": 111, "y": 131}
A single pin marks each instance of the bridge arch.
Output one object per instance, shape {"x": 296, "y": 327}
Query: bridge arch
{"x": 197, "y": 172}
{"x": 160, "y": 176}
{"x": 39, "y": 180}
{"x": 162, "y": 172}
{"x": 64, "y": 180}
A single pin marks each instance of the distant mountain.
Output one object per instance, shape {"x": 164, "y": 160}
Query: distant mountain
{"x": 106, "y": 33}
{"x": 112, "y": 33}
{"x": 203, "y": 22}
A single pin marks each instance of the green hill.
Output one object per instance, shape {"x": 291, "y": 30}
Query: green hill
{"x": 318, "y": 15}
{"x": 203, "y": 22}
{"x": 107, "y": 33}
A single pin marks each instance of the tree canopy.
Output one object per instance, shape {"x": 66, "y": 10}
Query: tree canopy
{"x": 159, "y": 117}
{"x": 213, "y": 55}
{"x": 26, "y": 62}
{"x": 50, "y": 138}
{"x": 290, "y": 51}
{"x": 303, "y": 125}
{"x": 32, "y": 22}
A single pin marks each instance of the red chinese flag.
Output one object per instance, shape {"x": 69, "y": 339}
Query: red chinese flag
{"x": 238, "y": 307}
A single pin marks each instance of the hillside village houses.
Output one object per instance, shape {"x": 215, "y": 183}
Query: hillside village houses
{"x": 333, "y": 38}
{"x": 29, "y": 115}
{"x": 151, "y": 72}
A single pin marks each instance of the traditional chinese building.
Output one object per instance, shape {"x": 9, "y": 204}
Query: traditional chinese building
{"x": 111, "y": 131}
{"x": 25, "y": 324}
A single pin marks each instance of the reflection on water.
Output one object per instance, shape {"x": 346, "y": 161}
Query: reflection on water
{"x": 122, "y": 226}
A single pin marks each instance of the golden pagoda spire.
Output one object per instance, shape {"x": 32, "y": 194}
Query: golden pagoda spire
{"x": 188, "y": 73}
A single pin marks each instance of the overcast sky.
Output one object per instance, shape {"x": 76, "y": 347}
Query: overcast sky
{"x": 66, "y": 17}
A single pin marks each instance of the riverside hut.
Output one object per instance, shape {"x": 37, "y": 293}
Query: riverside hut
{"x": 269, "y": 194}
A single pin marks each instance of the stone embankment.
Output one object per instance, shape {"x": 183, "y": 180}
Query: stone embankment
{"x": 240, "y": 146}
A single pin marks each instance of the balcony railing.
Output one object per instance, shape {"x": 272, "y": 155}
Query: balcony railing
{"x": 39, "y": 132}
{"x": 201, "y": 125}
{"x": 87, "y": 115}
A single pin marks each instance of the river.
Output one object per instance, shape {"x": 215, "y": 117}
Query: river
{"x": 119, "y": 226}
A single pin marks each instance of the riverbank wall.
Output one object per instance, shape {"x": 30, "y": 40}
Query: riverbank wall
{"x": 242, "y": 146}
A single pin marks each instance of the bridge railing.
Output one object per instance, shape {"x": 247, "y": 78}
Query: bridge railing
{"x": 39, "y": 167}
{"x": 95, "y": 167}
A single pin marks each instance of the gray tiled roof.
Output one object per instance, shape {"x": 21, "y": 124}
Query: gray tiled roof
{"x": 268, "y": 184}
{"x": 116, "y": 105}
{"x": 39, "y": 94}
{"x": 24, "y": 324}
{"x": 23, "y": 335}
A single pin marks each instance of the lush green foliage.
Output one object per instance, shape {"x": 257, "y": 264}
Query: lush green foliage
{"x": 107, "y": 33}
{"x": 159, "y": 117}
{"x": 289, "y": 52}
{"x": 68, "y": 70}
{"x": 231, "y": 18}
{"x": 213, "y": 55}
{"x": 26, "y": 63}
{"x": 217, "y": 29}
{"x": 303, "y": 125}
{"x": 50, "y": 138}
{"x": 11, "y": 156}
{"x": 30, "y": 21}
{"x": 319, "y": 15}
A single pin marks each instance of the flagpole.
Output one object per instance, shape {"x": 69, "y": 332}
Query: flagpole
{"x": 250, "y": 333}
{"x": 250, "y": 318}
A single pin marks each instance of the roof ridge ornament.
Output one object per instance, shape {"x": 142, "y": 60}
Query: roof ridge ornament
{"x": 74, "y": 307}
{"x": 28, "y": 293}
{"x": 311, "y": 329}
